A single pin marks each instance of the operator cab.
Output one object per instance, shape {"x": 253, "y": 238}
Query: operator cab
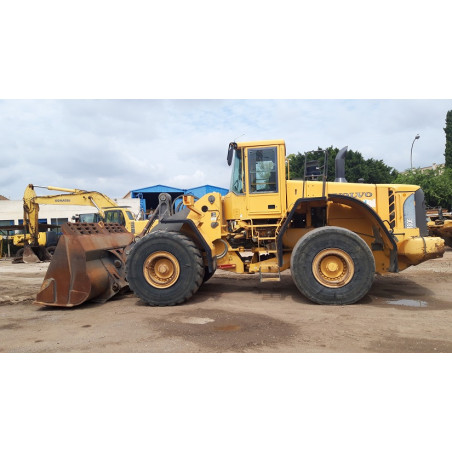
{"x": 257, "y": 178}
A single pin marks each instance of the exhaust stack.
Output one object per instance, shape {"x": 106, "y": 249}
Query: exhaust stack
{"x": 340, "y": 165}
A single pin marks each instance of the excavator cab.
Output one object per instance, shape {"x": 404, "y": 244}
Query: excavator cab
{"x": 116, "y": 216}
{"x": 87, "y": 218}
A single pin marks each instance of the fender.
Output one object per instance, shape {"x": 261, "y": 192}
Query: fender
{"x": 175, "y": 224}
{"x": 367, "y": 211}
{"x": 279, "y": 244}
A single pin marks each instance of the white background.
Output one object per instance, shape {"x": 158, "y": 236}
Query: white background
{"x": 196, "y": 50}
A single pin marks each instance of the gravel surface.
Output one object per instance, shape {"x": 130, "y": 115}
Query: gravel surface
{"x": 406, "y": 312}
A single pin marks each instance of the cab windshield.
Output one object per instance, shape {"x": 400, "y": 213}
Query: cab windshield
{"x": 237, "y": 173}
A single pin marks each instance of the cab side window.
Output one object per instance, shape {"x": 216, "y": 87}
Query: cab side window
{"x": 115, "y": 216}
{"x": 263, "y": 170}
{"x": 237, "y": 176}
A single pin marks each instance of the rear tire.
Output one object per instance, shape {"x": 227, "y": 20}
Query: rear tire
{"x": 165, "y": 268}
{"x": 332, "y": 266}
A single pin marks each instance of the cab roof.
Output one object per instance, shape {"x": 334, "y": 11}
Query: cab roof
{"x": 260, "y": 143}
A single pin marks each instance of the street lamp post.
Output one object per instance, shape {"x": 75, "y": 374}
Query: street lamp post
{"x": 415, "y": 138}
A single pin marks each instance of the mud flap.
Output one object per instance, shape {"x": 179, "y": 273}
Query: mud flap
{"x": 88, "y": 264}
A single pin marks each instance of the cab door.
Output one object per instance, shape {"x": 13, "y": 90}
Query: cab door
{"x": 264, "y": 193}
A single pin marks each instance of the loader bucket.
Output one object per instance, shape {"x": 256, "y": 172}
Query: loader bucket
{"x": 88, "y": 264}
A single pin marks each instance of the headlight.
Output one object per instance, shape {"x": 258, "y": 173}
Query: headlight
{"x": 409, "y": 213}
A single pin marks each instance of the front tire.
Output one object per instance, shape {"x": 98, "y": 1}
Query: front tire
{"x": 332, "y": 266}
{"x": 165, "y": 268}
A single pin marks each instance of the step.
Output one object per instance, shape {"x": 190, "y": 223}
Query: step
{"x": 269, "y": 278}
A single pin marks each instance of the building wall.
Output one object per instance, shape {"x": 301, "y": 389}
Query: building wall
{"x": 13, "y": 210}
{"x": 434, "y": 166}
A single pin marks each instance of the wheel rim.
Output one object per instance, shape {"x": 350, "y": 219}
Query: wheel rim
{"x": 333, "y": 268}
{"x": 161, "y": 269}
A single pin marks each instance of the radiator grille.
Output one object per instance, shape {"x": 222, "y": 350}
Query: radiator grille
{"x": 391, "y": 209}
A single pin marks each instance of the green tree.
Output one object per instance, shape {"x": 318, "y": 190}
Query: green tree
{"x": 448, "y": 130}
{"x": 356, "y": 167}
{"x": 436, "y": 183}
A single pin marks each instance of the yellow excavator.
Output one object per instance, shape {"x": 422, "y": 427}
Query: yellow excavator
{"x": 38, "y": 245}
{"x": 333, "y": 236}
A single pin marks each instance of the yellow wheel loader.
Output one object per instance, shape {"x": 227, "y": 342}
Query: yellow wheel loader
{"x": 40, "y": 245}
{"x": 440, "y": 224}
{"x": 333, "y": 236}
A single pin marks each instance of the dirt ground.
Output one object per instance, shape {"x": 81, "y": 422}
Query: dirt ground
{"x": 406, "y": 312}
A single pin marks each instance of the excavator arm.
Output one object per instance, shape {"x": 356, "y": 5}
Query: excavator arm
{"x": 71, "y": 196}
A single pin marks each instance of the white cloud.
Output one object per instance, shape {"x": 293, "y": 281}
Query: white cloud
{"x": 114, "y": 146}
{"x": 188, "y": 180}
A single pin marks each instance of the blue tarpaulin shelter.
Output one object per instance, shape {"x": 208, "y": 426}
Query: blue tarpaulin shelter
{"x": 149, "y": 195}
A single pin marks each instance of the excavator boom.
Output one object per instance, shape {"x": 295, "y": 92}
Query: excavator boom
{"x": 34, "y": 251}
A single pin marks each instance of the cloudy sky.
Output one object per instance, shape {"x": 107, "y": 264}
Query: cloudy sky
{"x": 247, "y": 50}
{"x": 114, "y": 146}
{"x": 250, "y": 49}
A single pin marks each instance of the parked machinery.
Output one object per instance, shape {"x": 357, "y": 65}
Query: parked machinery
{"x": 36, "y": 241}
{"x": 440, "y": 224}
{"x": 333, "y": 236}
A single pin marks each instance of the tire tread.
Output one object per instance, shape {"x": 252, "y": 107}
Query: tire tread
{"x": 190, "y": 247}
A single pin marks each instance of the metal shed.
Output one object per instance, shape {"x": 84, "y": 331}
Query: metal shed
{"x": 204, "y": 189}
{"x": 149, "y": 195}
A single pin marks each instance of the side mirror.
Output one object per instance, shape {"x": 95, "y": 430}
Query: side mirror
{"x": 231, "y": 149}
